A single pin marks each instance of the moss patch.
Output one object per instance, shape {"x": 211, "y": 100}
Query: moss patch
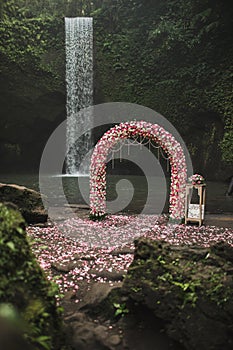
{"x": 189, "y": 288}
{"x": 24, "y": 285}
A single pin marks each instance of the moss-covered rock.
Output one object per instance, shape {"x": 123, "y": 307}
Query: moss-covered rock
{"x": 29, "y": 202}
{"x": 24, "y": 285}
{"x": 189, "y": 288}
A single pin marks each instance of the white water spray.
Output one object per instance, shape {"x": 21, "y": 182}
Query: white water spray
{"x": 79, "y": 86}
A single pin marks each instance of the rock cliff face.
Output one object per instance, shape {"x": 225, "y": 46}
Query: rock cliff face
{"x": 189, "y": 288}
{"x": 32, "y": 106}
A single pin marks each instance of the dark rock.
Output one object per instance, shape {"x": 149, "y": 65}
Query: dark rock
{"x": 100, "y": 298}
{"x": 88, "y": 258}
{"x": 189, "y": 288}
{"x": 224, "y": 250}
{"x": 109, "y": 341}
{"x": 10, "y": 205}
{"x": 114, "y": 340}
{"x": 69, "y": 295}
{"x": 122, "y": 251}
{"x": 66, "y": 267}
{"x": 101, "y": 333}
{"x": 142, "y": 330}
{"x": 29, "y": 202}
{"x": 84, "y": 257}
{"x": 85, "y": 338}
{"x": 87, "y": 334}
{"x": 42, "y": 225}
{"x": 109, "y": 275}
{"x": 76, "y": 317}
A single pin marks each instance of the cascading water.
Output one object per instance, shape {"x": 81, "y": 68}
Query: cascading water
{"x": 79, "y": 86}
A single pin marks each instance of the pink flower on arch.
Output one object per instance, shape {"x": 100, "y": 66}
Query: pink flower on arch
{"x": 153, "y": 132}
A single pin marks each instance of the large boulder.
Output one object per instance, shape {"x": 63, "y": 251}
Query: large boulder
{"x": 24, "y": 287}
{"x": 29, "y": 202}
{"x": 189, "y": 288}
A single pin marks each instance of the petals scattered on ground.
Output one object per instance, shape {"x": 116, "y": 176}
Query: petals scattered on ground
{"x": 79, "y": 240}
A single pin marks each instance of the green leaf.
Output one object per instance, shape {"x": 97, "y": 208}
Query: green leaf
{"x": 20, "y": 230}
{"x": 44, "y": 247}
{"x": 118, "y": 312}
{"x": 11, "y": 246}
{"x": 44, "y": 341}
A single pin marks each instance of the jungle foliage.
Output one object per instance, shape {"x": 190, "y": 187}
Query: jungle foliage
{"x": 174, "y": 56}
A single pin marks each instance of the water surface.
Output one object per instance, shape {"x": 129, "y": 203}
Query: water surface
{"x": 216, "y": 202}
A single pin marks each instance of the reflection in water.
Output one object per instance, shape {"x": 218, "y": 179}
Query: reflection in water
{"x": 216, "y": 201}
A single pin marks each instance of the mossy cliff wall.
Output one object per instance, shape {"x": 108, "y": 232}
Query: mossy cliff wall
{"x": 175, "y": 58}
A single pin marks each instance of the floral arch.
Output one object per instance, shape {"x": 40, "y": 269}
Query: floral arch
{"x": 155, "y": 133}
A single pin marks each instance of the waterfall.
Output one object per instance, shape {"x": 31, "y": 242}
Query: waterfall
{"x": 79, "y": 88}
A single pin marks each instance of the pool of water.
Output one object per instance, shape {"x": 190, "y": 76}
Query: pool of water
{"x": 216, "y": 200}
